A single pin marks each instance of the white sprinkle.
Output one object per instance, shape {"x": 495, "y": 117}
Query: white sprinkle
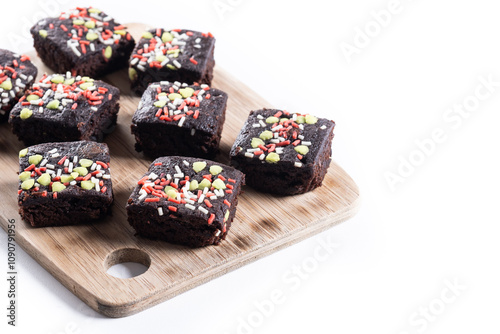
{"x": 177, "y": 169}
{"x": 256, "y": 125}
{"x": 176, "y": 63}
{"x": 98, "y": 167}
{"x": 279, "y": 150}
{"x": 306, "y": 143}
{"x": 262, "y": 123}
{"x": 260, "y": 117}
{"x": 143, "y": 196}
{"x": 94, "y": 165}
{"x": 205, "y": 191}
{"x": 323, "y": 127}
{"x": 213, "y": 197}
{"x": 185, "y": 163}
{"x": 262, "y": 156}
{"x": 51, "y": 166}
{"x": 301, "y": 137}
{"x": 160, "y": 211}
{"x": 73, "y": 183}
{"x": 44, "y": 162}
{"x": 190, "y": 201}
{"x": 181, "y": 122}
{"x": 66, "y": 163}
{"x": 202, "y": 197}
{"x": 97, "y": 187}
{"x": 106, "y": 176}
{"x": 98, "y": 175}
{"x": 217, "y": 233}
{"x": 202, "y": 209}
{"x": 193, "y": 131}
{"x": 274, "y": 141}
{"x": 55, "y": 155}
{"x": 180, "y": 175}
{"x": 35, "y": 102}
{"x": 142, "y": 68}
{"x": 249, "y": 155}
{"x": 298, "y": 164}
{"x": 152, "y": 176}
{"x": 75, "y": 159}
{"x": 70, "y": 167}
{"x": 59, "y": 172}
{"x": 169, "y": 177}
{"x": 301, "y": 126}
{"x": 189, "y": 206}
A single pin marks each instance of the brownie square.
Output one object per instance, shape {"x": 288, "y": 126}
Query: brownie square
{"x": 172, "y": 55}
{"x": 65, "y": 108}
{"x": 283, "y": 153}
{"x": 179, "y": 119}
{"x": 64, "y": 183}
{"x": 17, "y": 73}
{"x": 186, "y": 201}
{"x": 84, "y": 41}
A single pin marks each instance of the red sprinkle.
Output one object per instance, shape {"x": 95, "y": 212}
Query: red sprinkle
{"x": 155, "y": 199}
{"x": 207, "y": 203}
{"x": 62, "y": 160}
{"x": 193, "y": 61}
{"x": 227, "y": 203}
{"x": 211, "y": 219}
{"x": 158, "y": 163}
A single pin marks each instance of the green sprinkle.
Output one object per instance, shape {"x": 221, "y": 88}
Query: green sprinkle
{"x": 167, "y": 37}
{"x": 273, "y": 158}
{"x": 69, "y": 81}
{"x": 91, "y": 36}
{"x": 26, "y": 113}
{"x": 310, "y": 119}
{"x": 86, "y": 85}
{"x": 266, "y": 135}
{"x": 121, "y": 32}
{"x": 193, "y": 185}
{"x": 108, "y": 52}
{"x": 160, "y": 58}
{"x": 58, "y": 186}
{"x": 226, "y": 216}
{"x": 90, "y": 24}
{"x": 87, "y": 185}
{"x": 219, "y": 184}
{"x": 24, "y": 176}
{"x": 78, "y": 22}
{"x": 214, "y": 170}
{"x": 66, "y": 178}
{"x": 85, "y": 163}
{"x": 186, "y": 92}
{"x": 94, "y": 11}
{"x": 284, "y": 119}
{"x": 132, "y": 74}
{"x": 6, "y": 85}
{"x": 147, "y": 35}
{"x": 74, "y": 175}
{"x": 32, "y": 97}
{"x": 172, "y": 193}
{"x": 300, "y": 119}
{"x": 160, "y": 104}
{"x": 87, "y": 79}
{"x": 43, "y": 33}
{"x": 35, "y": 159}
{"x": 256, "y": 142}
{"x": 174, "y": 53}
{"x": 272, "y": 120}
{"x": 28, "y": 184}
{"x": 57, "y": 79}
{"x": 172, "y": 67}
{"x": 54, "y": 104}
{"x": 198, "y": 166}
{"x": 44, "y": 179}
{"x": 302, "y": 149}
{"x": 204, "y": 184}
{"x": 81, "y": 170}
{"x": 23, "y": 153}
{"x": 174, "y": 96}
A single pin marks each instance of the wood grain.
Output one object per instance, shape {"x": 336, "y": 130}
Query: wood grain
{"x": 79, "y": 256}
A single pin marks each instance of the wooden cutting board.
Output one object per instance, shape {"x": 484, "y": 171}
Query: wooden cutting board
{"x": 79, "y": 256}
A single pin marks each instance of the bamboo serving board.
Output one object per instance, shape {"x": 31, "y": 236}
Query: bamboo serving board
{"x": 79, "y": 256}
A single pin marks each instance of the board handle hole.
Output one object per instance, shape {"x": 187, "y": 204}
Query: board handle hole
{"x": 127, "y": 263}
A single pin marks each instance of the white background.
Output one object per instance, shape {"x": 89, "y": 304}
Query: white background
{"x": 394, "y": 259}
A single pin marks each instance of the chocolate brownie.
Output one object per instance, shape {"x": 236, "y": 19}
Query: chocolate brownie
{"x": 84, "y": 41}
{"x": 172, "y": 55}
{"x": 179, "y": 119}
{"x": 64, "y": 183}
{"x": 185, "y": 201}
{"x": 17, "y": 73}
{"x": 283, "y": 153}
{"x": 65, "y": 108}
